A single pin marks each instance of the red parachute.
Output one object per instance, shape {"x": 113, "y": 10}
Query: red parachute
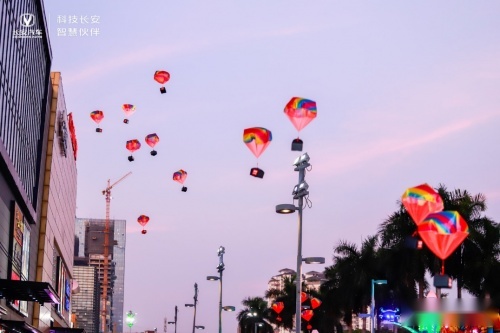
{"x": 162, "y": 77}
{"x": 315, "y": 303}
{"x": 132, "y": 145}
{"x": 97, "y": 116}
{"x": 129, "y": 110}
{"x": 307, "y": 315}
{"x": 180, "y": 176}
{"x": 152, "y": 140}
{"x": 143, "y": 220}
{"x": 278, "y": 307}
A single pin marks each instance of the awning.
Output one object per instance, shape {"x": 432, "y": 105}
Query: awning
{"x": 66, "y": 330}
{"x": 18, "y": 326}
{"x": 41, "y": 292}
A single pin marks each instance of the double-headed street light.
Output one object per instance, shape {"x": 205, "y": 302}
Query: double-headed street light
{"x": 175, "y": 320}
{"x": 299, "y": 192}
{"x": 372, "y": 312}
{"x": 195, "y": 298}
{"x": 220, "y": 269}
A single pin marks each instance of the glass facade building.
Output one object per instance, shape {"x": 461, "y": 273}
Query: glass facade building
{"x": 25, "y": 94}
{"x": 85, "y": 303}
{"x": 90, "y": 244}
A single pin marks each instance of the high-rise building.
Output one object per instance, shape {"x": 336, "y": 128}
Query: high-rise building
{"x": 85, "y": 303}
{"x": 90, "y": 233}
{"x": 57, "y": 222}
{"x": 25, "y": 94}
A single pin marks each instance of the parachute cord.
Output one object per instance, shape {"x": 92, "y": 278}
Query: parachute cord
{"x": 442, "y": 267}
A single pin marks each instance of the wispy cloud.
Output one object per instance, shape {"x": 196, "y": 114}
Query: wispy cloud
{"x": 397, "y": 144}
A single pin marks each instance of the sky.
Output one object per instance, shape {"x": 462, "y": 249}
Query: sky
{"x": 407, "y": 93}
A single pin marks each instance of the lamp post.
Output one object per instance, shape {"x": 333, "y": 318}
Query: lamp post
{"x": 130, "y": 320}
{"x": 175, "y": 320}
{"x": 372, "y": 314}
{"x": 257, "y": 324}
{"x": 194, "y": 305}
{"x": 299, "y": 192}
{"x": 220, "y": 269}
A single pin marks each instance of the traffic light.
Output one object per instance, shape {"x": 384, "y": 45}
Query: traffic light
{"x": 256, "y": 172}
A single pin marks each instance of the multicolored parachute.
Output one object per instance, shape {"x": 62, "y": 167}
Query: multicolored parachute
{"x": 152, "y": 140}
{"x": 443, "y": 232}
{"x": 97, "y": 116}
{"x": 129, "y": 110}
{"x": 143, "y": 220}
{"x": 257, "y": 140}
{"x": 421, "y": 201}
{"x": 301, "y": 112}
{"x": 180, "y": 176}
{"x": 162, "y": 77}
{"x": 132, "y": 145}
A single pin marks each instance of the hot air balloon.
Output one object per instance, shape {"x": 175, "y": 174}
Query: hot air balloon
{"x": 132, "y": 145}
{"x": 129, "y": 110}
{"x": 301, "y": 112}
{"x": 97, "y": 116}
{"x": 162, "y": 77}
{"x": 180, "y": 176}
{"x": 152, "y": 140}
{"x": 278, "y": 307}
{"x": 421, "y": 201}
{"x": 257, "y": 140}
{"x": 443, "y": 232}
{"x": 143, "y": 220}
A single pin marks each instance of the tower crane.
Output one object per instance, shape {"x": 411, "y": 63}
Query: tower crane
{"x": 107, "y": 194}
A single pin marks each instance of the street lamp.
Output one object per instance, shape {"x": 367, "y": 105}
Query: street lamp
{"x": 299, "y": 192}
{"x": 130, "y": 320}
{"x": 258, "y": 324}
{"x": 372, "y": 314}
{"x": 200, "y": 327}
{"x": 175, "y": 320}
{"x": 220, "y": 269}
{"x": 194, "y": 305}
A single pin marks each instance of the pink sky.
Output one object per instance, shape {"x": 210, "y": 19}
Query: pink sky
{"x": 407, "y": 92}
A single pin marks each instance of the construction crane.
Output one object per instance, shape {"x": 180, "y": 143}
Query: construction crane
{"x": 107, "y": 194}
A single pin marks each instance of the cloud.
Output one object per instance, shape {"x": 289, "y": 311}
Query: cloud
{"x": 408, "y": 143}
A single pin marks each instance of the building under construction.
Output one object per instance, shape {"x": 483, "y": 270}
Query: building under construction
{"x": 91, "y": 240}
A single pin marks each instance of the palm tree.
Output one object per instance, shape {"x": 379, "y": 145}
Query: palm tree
{"x": 405, "y": 267}
{"x": 286, "y": 294}
{"x": 255, "y": 312}
{"x": 351, "y": 273}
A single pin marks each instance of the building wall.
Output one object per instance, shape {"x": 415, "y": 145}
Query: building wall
{"x": 88, "y": 229}
{"x": 24, "y": 94}
{"x": 85, "y": 303}
{"x": 56, "y": 241}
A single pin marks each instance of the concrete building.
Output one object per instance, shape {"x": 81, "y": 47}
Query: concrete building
{"x": 56, "y": 239}
{"x": 25, "y": 94}
{"x": 90, "y": 233}
{"x": 85, "y": 303}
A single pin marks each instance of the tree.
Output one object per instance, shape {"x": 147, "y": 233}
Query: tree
{"x": 255, "y": 312}
{"x": 351, "y": 273}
